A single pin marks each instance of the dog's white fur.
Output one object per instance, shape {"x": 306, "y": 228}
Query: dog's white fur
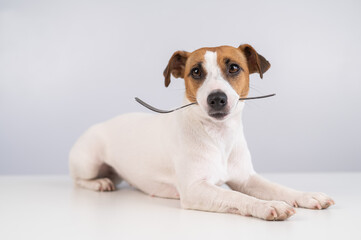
{"x": 188, "y": 155}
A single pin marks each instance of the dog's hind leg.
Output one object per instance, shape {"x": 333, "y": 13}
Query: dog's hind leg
{"x": 105, "y": 180}
{"x": 93, "y": 175}
{"x": 87, "y": 167}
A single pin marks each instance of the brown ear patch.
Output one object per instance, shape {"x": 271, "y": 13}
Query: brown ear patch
{"x": 175, "y": 66}
{"x": 256, "y": 62}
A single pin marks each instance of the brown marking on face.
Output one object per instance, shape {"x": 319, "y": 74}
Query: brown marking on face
{"x": 244, "y": 56}
{"x": 196, "y": 59}
{"x": 228, "y": 56}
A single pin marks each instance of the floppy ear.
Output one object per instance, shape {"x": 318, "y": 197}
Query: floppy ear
{"x": 256, "y": 62}
{"x": 175, "y": 66}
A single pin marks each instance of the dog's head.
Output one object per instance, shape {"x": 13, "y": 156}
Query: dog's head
{"x": 217, "y": 77}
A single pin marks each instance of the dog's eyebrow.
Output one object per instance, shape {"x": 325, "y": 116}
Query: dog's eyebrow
{"x": 198, "y": 64}
{"x": 228, "y": 60}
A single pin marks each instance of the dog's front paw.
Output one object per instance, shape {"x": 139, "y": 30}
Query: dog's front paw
{"x": 313, "y": 200}
{"x": 273, "y": 210}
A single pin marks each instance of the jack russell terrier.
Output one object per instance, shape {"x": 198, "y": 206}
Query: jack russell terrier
{"x": 188, "y": 154}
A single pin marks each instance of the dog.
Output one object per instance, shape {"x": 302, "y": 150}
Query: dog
{"x": 188, "y": 154}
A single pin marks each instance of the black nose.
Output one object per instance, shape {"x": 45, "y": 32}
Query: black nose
{"x": 217, "y": 100}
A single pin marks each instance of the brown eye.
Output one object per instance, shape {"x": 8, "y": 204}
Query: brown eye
{"x": 233, "y": 68}
{"x": 196, "y": 73}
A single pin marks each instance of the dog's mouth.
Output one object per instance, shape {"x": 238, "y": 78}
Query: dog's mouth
{"x": 218, "y": 115}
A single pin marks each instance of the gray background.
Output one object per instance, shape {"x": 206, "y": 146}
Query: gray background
{"x": 65, "y": 65}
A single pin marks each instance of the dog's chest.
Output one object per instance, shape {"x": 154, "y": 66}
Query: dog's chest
{"x": 220, "y": 173}
{"x": 222, "y": 141}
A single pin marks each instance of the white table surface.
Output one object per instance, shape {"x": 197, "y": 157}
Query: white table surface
{"x": 49, "y": 207}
